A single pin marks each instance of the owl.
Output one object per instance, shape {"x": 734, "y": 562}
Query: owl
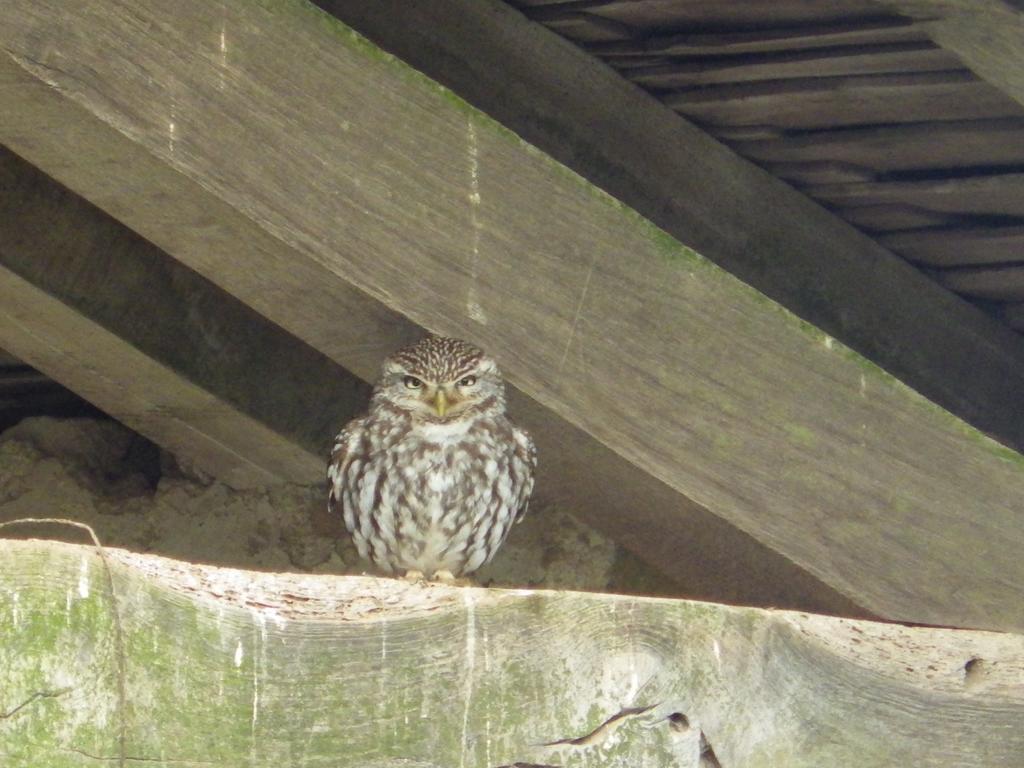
{"x": 432, "y": 478}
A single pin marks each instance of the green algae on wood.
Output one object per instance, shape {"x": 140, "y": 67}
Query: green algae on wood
{"x": 241, "y": 668}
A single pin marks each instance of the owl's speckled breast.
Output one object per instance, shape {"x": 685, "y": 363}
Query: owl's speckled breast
{"x": 440, "y": 498}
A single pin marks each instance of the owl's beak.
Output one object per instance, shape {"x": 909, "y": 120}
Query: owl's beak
{"x": 441, "y": 403}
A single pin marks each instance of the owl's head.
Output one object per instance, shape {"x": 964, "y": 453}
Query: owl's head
{"x": 441, "y": 379}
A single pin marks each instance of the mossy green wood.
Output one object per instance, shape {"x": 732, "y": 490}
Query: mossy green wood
{"x": 345, "y": 172}
{"x": 232, "y": 668}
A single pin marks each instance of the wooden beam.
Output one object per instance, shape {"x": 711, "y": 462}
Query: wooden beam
{"x": 373, "y": 182}
{"x": 156, "y": 345}
{"x": 987, "y": 36}
{"x": 710, "y": 199}
{"x": 183, "y": 362}
{"x": 354, "y": 671}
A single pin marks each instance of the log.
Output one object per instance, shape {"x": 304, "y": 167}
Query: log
{"x": 111, "y": 657}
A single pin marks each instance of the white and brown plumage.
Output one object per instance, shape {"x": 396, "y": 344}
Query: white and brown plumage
{"x": 431, "y": 479}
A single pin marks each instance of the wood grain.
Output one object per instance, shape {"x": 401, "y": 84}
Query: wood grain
{"x": 386, "y": 186}
{"x": 134, "y": 658}
{"x": 912, "y": 147}
{"x": 832, "y": 62}
{"x": 954, "y": 247}
{"x": 834, "y": 102}
{"x": 998, "y": 283}
{"x": 993, "y": 194}
{"x": 181, "y": 361}
{"x": 849, "y": 34}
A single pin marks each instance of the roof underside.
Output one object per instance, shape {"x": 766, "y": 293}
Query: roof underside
{"x": 851, "y": 103}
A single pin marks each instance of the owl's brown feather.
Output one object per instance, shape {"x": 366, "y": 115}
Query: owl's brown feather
{"x": 422, "y": 488}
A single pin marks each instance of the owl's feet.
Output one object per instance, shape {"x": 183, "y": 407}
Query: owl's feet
{"x": 444, "y": 577}
{"x": 449, "y": 578}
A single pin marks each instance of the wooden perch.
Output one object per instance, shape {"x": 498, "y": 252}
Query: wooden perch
{"x": 110, "y": 657}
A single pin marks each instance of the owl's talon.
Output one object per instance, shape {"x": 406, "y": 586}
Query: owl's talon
{"x": 414, "y": 576}
{"x": 449, "y": 578}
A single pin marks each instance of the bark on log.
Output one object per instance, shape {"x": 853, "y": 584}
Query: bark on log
{"x": 111, "y": 657}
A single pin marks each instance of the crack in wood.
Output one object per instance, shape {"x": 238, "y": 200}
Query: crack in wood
{"x": 604, "y": 730}
{"x": 122, "y": 690}
{"x": 34, "y": 697}
{"x": 136, "y": 759}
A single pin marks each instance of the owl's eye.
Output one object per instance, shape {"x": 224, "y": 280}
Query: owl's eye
{"x": 467, "y": 381}
{"x": 411, "y": 382}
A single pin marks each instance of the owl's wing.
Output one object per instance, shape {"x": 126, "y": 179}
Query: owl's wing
{"x": 344, "y": 453}
{"x": 524, "y": 461}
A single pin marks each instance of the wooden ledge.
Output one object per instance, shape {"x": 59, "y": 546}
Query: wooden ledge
{"x": 196, "y": 665}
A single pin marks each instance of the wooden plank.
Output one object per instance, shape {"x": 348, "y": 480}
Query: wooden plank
{"x": 357, "y": 672}
{"x": 991, "y": 283}
{"x": 818, "y": 172}
{"x": 829, "y": 102}
{"x": 388, "y": 186}
{"x": 987, "y": 36}
{"x": 959, "y": 247}
{"x": 652, "y": 15}
{"x": 587, "y": 27}
{"x": 848, "y": 34}
{"x": 893, "y": 216}
{"x": 816, "y": 63}
{"x": 912, "y": 147}
{"x": 999, "y": 194}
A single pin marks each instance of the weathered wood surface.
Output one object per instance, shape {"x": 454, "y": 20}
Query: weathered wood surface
{"x": 798, "y": 87}
{"x": 987, "y": 35}
{"x": 640, "y": 16}
{"x": 907, "y": 57}
{"x": 836, "y": 102}
{"x": 990, "y": 194}
{"x": 376, "y": 175}
{"x": 605, "y": 130}
{"x": 157, "y": 346}
{"x": 915, "y": 147}
{"x": 852, "y": 34}
{"x": 997, "y": 283}
{"x": 131, "y": 658}
{"x": 189, "y": 366}
{"x": 959, "y": 246}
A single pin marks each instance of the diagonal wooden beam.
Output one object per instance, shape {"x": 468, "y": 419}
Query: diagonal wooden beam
{"x": 588, "y": 117}
{"x": 156, "y": 345}
{"x": 366, "y": 182}
{"x": 169, "y": 353}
